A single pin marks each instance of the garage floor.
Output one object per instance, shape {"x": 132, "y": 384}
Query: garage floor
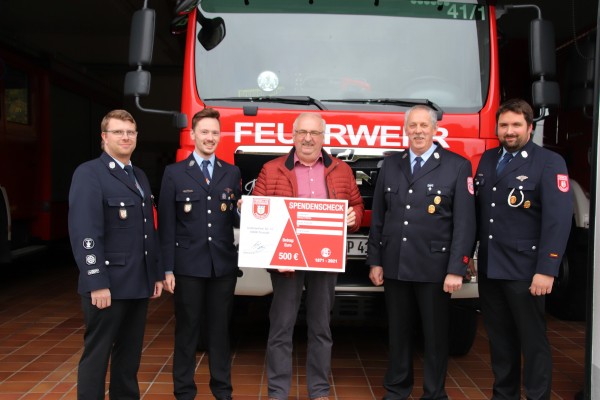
{"x": 41, "y": 334}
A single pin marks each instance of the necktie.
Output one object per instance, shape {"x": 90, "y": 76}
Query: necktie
{"x": 130, "y": 174}
{"x": 417, "y": 166}
{"x": 205, "y": 171}
{"x": 503, "y": 162}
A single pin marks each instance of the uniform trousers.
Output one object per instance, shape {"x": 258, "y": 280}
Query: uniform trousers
{"x": 404, "y": 300}
{"x": 213, "y": 298}
{"x": 516, "y": 323}
{"x": 115, "y": 332}
{"x": 319, "y": 298}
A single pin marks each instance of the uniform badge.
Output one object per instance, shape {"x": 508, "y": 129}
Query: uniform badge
{"x": 223, "y": 207}
{"x": 404, "y": 156}
{"x": 470, "y": 186}
{"x": 187, "y": 191}
{"x": 111, "y": 165}
{"x": 93, "y": 271}
{"x": 437, "y": 199}
{"x": 562, "y": 181}
{"x": 527, "y": 204}
{"x": 88, "y": 243}
{"x": 90, "y": 259}
{"x": 431, "y": 209}
{"x": 436, "y": 156}
{"x": 123, "y": 213}
{"x": 187, "y": 207}
{"x": 524, "y": 154}
{"x": 513, "y": 199}
{"x": 191, "y": 163}
{"x": 522, "y": 177}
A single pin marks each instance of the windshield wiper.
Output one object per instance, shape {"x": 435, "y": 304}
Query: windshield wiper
{"x": 398, "y": 102}
{"x": 301, "y": 100}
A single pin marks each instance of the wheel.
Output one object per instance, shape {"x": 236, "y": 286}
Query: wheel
{"x": 463, "y": 326}
{"x": 4, "y": 242}
{"x": 569, "y": 295}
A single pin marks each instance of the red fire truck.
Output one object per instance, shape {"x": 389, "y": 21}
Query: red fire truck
{"x": 360, "y": 64}
{"x": 48, "y": 110}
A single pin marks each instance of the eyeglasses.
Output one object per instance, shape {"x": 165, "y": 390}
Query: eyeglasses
{"x": 314, "y": 134}
{"x": 120, "y": 133}
{"x": 205, "y": 132}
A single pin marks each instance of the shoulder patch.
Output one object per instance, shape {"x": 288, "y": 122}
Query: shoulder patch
{"x": 562, "y": 181}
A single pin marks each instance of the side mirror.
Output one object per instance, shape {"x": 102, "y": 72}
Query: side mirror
{"x": 542, "y": 59}
{"x": 141, "y": 40}
{"x": 545, "y": 94}
{"x": 141, "y": 43}
{"x": 212, "y": 31}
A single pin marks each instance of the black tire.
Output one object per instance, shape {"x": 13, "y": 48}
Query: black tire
{"x": 4, "y": 242}
{"x": 463, "y": 326}
{"x": 569, "y": 295}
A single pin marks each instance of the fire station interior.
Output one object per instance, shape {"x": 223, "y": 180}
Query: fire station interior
{"x": 41, "y": 325}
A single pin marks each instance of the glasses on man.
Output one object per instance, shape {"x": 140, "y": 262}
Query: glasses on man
{"x": 303, "y": 132}
{"x": 120, "y": 133}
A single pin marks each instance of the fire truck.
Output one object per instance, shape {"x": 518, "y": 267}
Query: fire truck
{"x": 361, "y": 65}
{"x": 48, "y": 111}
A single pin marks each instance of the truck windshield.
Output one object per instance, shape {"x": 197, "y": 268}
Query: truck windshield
{"x": 332, "y": 51}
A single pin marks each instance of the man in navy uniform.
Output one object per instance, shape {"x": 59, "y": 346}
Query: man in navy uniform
{"x": 112, "y": 231}
{"x": 524, "y": 212}
{"x": 422, "y": 233}
{"x": 197, "y": 212}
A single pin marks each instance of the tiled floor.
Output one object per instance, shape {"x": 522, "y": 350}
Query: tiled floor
{"x": 41, "y": 337}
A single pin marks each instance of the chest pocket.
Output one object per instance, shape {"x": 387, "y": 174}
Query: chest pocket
{"x": 120, "y": 212}
{"x": 517, "y": 184}
{"x": 188, "y": 206}
{"x": 439, "y": 199}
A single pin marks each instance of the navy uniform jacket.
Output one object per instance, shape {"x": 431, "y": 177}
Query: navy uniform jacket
{"x": 423, "y": 228}
{"x": 112, "y": 233}
{"x": 196, "y": 220}
{"x": 524, "y": 215}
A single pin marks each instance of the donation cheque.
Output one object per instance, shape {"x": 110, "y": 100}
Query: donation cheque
{"x": 293, "y": 233}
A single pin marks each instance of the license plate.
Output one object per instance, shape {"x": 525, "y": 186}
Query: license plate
{"x": 356, "y": 246}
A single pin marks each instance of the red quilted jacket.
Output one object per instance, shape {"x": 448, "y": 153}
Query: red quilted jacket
{"x": 277, "y": 178}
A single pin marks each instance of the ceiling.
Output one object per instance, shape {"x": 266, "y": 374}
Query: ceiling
{"x": 95, "y": 35}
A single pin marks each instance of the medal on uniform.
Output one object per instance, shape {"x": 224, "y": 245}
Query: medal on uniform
{"x": 223, "y": 207}
{"x": 437, "y": 199}
{"x": 527, "y": 204}
{"x": 187, "y": 207}
{"x": 431, "y": 209}
{"x": 512, "y": 198}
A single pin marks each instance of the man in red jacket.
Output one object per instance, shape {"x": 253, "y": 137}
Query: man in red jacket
{"x": 308, "y": 172}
